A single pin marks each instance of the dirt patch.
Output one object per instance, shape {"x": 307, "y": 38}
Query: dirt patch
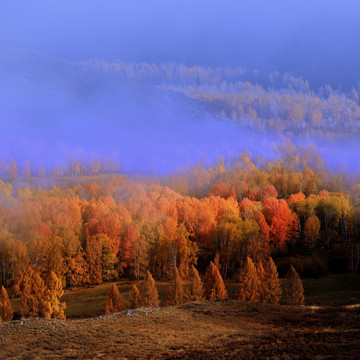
{"x": 200, "y": 330}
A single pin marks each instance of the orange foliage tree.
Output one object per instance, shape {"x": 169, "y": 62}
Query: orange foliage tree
{"x": 262, "y": 281}
{"x": 175, "y": 294}
{"x": 54, "y": 292}
{"x": 6, "y": 311}
{"x": 196, "y": 291}
{"x": 33, "y": 296}
{"x": 150, "y": 295}
{"x": 214, "y": 284}
{"x": 114, "y": 302}
{"x": 293, "y": 291}
{"x": 312, "y": 231}
{"x": 39, "y": 299}
{"x": 135, "y": 297}
{"x": 249, "y": 282}
{"x": 283, "y": 222}
{"x": 272, "y": 285}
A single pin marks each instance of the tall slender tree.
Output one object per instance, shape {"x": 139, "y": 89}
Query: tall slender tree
{"x": 54, "y": 292}
{"x": 175, "y": 294}
{"x": 263, "y": 286}
{"x": 135, "y": 297}
{"x": 196, "y": 291}
{"x": 150, "y": 294}
{"x": 273, "y": 286}
{"x": 249, "y": 282}
{"x": 114, "y": 302}
{"x": 33, "y": 296}
{"x": 217, "y": 261}
{"x": 293, "y": 291}
{"x": 6, "y": 311}
{"x": 214, "y": 283}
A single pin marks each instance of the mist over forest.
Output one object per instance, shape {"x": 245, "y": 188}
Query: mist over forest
{"x": 221, "y": 80}
{"x": 179, "y": 179}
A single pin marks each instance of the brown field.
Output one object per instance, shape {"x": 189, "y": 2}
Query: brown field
{"x": 201, "y": 330}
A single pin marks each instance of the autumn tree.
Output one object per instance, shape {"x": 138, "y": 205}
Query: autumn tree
{"x": 40, "y": 299}
{"x": 33, "y": 296}
{"x": 283, "y": 222}
{"x": 312, "y": 231}
{"x": 54, "y": 292}
{"x": 150, "y": 294}
{"x": 6, "y": 311}
{"x": 196, "y": 291}
{"x": 333, "y": 211}
{"x": 249, "y": 282}
{"x": 135, "y": 297}
{"x": 75, "y": 265}
{"x": 228, "y": 239}
{"x": 217, "y": 261}
{"x": 187, "y": 250}
{"x": 264, "y": 229}
{"x": 214, "y": 283}
{"x": 139, "y": 254}
{"x": 114, "y": 302}
{"x": 293, "y": 291}
{"x": 94, "y": 251}
{"x": 175, "y": 294}
{"x": 271, "y": 283}
{"x": 18, "y": 260}
{"x": 262, "y": 281}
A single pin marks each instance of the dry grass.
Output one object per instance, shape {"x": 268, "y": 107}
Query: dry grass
{"x": 201, "y": 330}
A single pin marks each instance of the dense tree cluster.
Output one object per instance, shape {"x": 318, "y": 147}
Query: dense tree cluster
{"x": 277, "y": 103}
{"x": 260, "y": 283}
{"x": 114, "y": 226}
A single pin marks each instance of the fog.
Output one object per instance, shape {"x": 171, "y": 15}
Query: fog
{"x": 52, "y": 108}
{"x": 318, "y": 40}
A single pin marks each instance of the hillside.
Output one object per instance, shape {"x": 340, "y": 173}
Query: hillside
{"x": 211, "y": 330}
{"x": 157, "y": 118}
{"x": 52, "y": 110}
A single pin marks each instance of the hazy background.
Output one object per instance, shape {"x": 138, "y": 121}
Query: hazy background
{"x": 319, "y": 40}
{"x": 52, "y": 109}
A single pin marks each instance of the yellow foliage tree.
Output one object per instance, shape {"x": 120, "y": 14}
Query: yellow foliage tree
{"x": 214, "y": 283}
{"x": 135, "y": 297}
{"x": 196, "y": 292}
{"x": 33, "y": 295}
{"x": 6, "y": 311}
{"x": 249, "y": 282}
{"x": 293, "y": 291}
{"x": 54, "y": 292}
{"x": 262, "y": 282}
{"x": 38, "y": 299}
{"x": 175, "y": 294}
{"x": 150, "y": 295}
{"x": 312, "y": 231}
{"x": 115, "y": 301}
{"x": 272, "y": 283}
